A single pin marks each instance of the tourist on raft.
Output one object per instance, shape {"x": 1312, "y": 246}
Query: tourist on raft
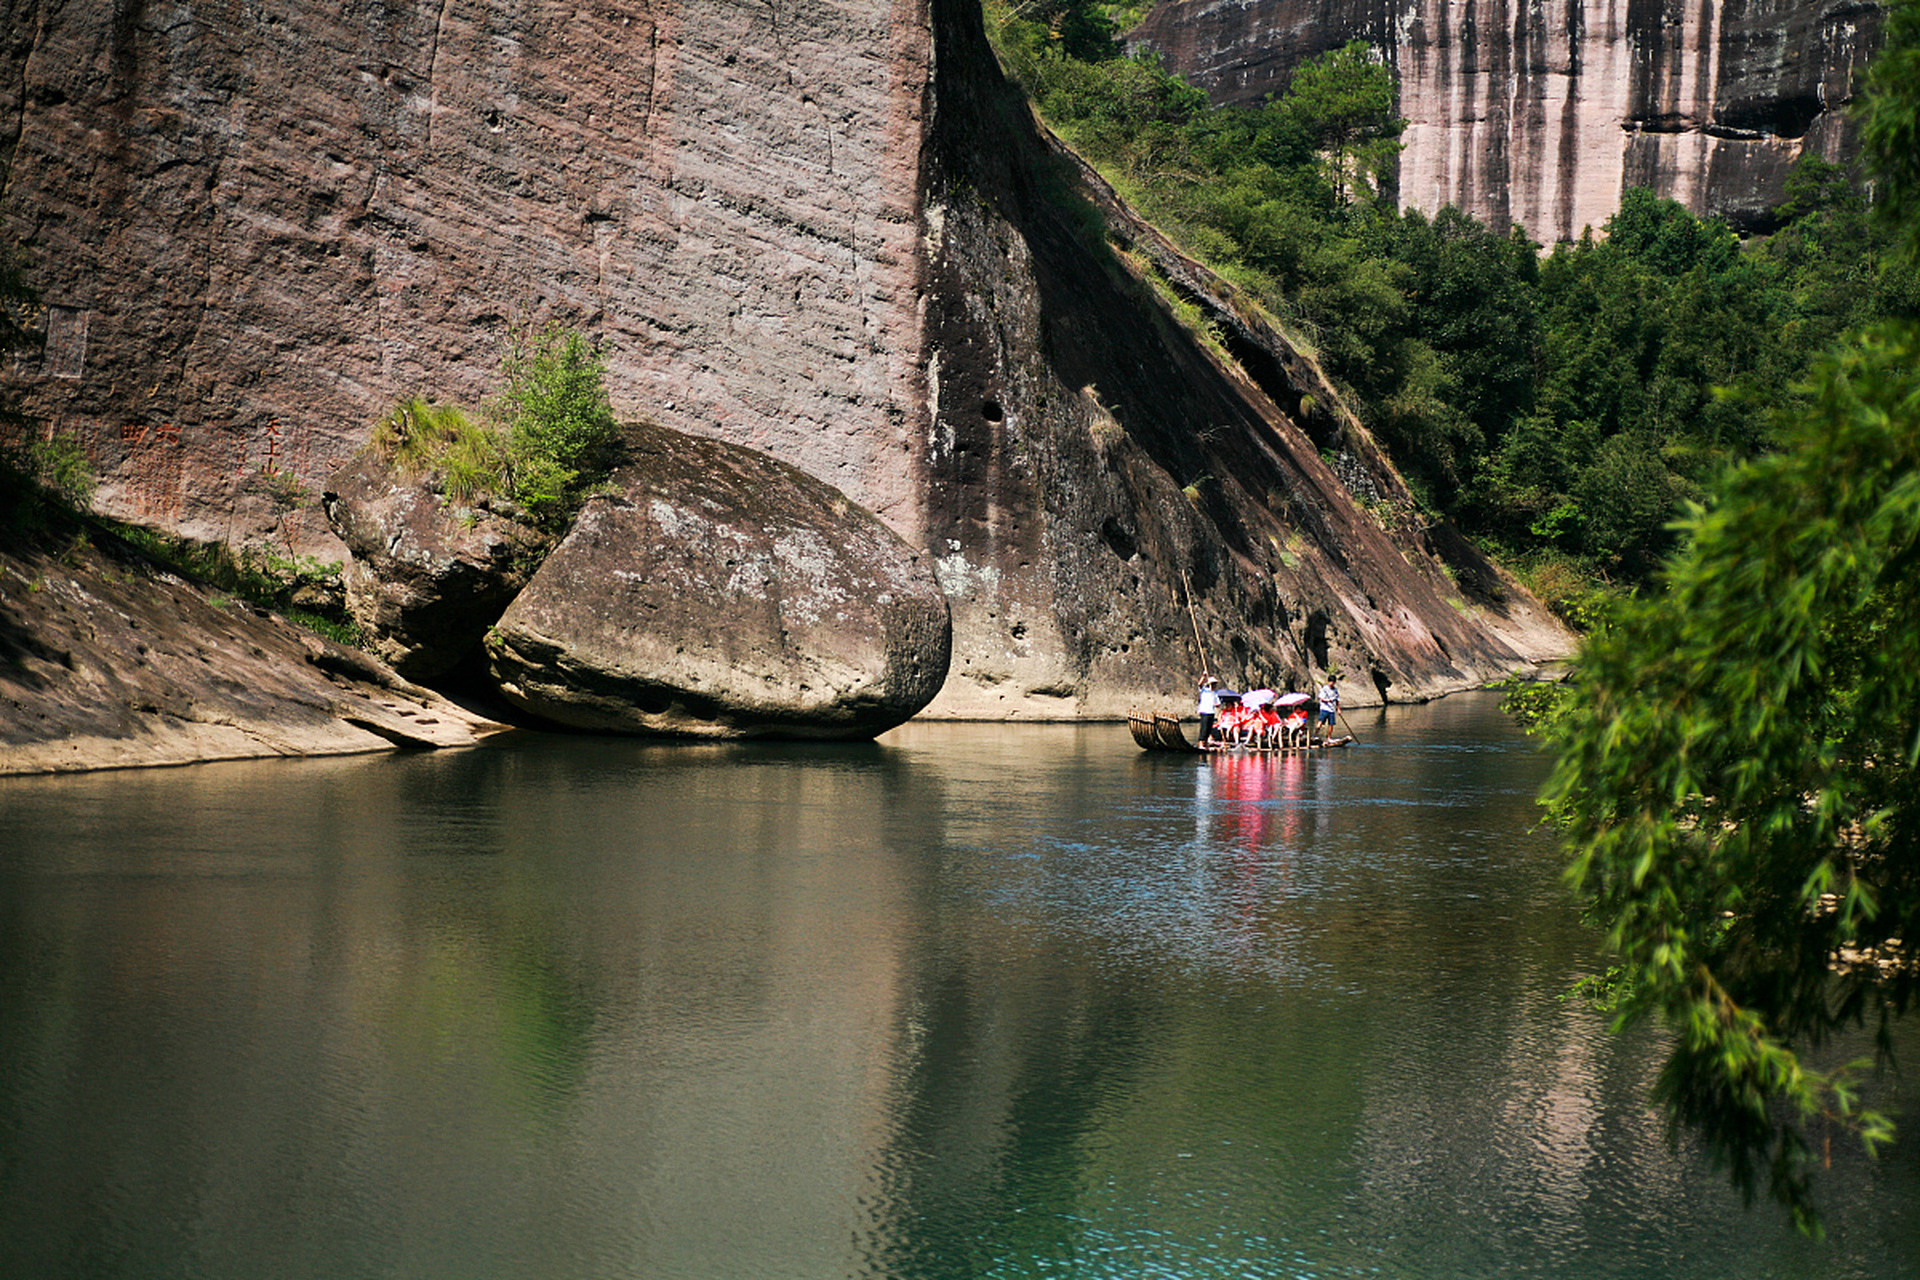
{"x": 1258, "y": 718}
{"x": 1251, "y": 721}
{"x": 1294, "y": 728}
{"x": 1256, "y": 726}
{"x": 1237, "y": 722}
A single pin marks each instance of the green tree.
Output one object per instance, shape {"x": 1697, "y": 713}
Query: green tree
{"x": 1343, "y": 101}
{"x": 1078, "y": 29}
{"x": 1737, "y": 772}
{"x": 1666, "y": 238}
{"x": 558, "y": 421}
{"x": 1470, "y": 346}
{"x": 1889, "y": 115}
{"x": 1737, "y": 765}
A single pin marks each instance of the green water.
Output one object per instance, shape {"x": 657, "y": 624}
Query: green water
{"x": 974, "y": 1001}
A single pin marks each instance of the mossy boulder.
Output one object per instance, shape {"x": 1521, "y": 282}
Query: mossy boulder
{"x": 716, "y": 592}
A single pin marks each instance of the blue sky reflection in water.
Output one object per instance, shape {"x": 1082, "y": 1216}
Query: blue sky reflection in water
{"x": 974, "y": 1001}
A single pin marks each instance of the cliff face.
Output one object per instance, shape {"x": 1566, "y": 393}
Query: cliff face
{"x": 1543, "y": 113}
{"x": 260, "y": 224}
{"x": 824, "y": 228}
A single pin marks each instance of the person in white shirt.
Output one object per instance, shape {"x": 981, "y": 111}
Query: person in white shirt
{"x": 1209, "y": 705}
{"x": 1329, "y": 705}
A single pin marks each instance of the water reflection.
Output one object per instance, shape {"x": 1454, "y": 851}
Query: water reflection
{"x": 972, "y": 1001}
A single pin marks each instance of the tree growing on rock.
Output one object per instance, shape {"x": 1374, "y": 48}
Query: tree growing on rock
{"x": 556, "y": 418}
{"x": 543, "y": 442}
{"x": 1343, "y": 100}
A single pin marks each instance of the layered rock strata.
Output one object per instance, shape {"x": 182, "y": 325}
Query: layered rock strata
{"x": 719, "y": 593}
{"x": 110, "y": 661}
{"x": 1543, "y": 114}
{"x": 257, "y": 229}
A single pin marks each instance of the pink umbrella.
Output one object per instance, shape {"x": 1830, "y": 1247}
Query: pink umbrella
{"x": 1291, "y": 699}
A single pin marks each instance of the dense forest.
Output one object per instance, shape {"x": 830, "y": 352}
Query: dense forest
{"x": 1559, "y": 405}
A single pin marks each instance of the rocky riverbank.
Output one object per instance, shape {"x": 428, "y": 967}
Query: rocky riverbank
{"x": 111, "y": 660}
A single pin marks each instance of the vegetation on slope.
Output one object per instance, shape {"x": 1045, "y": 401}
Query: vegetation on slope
{"x": 1560, "y": 408}
{"x": 543, "y": 442}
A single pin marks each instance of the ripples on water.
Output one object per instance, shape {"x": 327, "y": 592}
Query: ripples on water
{"x": 975, "y": 1001}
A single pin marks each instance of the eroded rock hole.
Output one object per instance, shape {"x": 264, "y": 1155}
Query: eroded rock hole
{"x": 1316, "y": 638}
{"x": 1119, "y": 539}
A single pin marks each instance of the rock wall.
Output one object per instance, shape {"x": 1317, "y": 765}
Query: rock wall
{"x": 260, "y": 223}
{"x": 824, "y": 228}
{"x": 1114, "y": 503}
{"x": 1544, "y": 113}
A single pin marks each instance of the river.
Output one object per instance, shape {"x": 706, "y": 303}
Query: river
{"x": 971, "y": 1001}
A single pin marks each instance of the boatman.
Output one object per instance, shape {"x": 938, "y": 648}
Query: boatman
{"x": 1329, "y": 707}
{"x": 1209, "y": 704}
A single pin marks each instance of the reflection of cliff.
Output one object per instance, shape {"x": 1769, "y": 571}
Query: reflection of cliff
{"x": 1543, "y": 115}
{"x": 1267, "y": 980}
{"x": 256, "y": 234}
{"x": 475, "y": 1013}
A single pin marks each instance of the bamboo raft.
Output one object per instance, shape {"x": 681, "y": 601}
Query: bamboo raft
{"x": 1160, "y": 732}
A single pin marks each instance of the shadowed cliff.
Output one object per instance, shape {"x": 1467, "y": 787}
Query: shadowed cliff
{"x": 1094, "y": 461}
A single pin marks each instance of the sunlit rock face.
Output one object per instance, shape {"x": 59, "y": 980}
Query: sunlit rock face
{"x": 1544, "y": 113}
{"x": 824, "y": 229}
{"x": 260, "y": 226}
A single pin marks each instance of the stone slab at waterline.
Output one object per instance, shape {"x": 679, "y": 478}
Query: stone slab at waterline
{"x": 108, "y": 660}
{"x": 720, "y": 593}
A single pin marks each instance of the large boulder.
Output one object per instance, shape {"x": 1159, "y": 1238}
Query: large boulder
{"x": 720, "y": 593}
{"x": 427, "y": 576}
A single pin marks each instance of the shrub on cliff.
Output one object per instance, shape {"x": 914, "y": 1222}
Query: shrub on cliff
{"x": 39, "y": 479}
{"x": 556, "y": 419}
{"x": 418, "y": 436}
{"x": 543, "y": 442}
